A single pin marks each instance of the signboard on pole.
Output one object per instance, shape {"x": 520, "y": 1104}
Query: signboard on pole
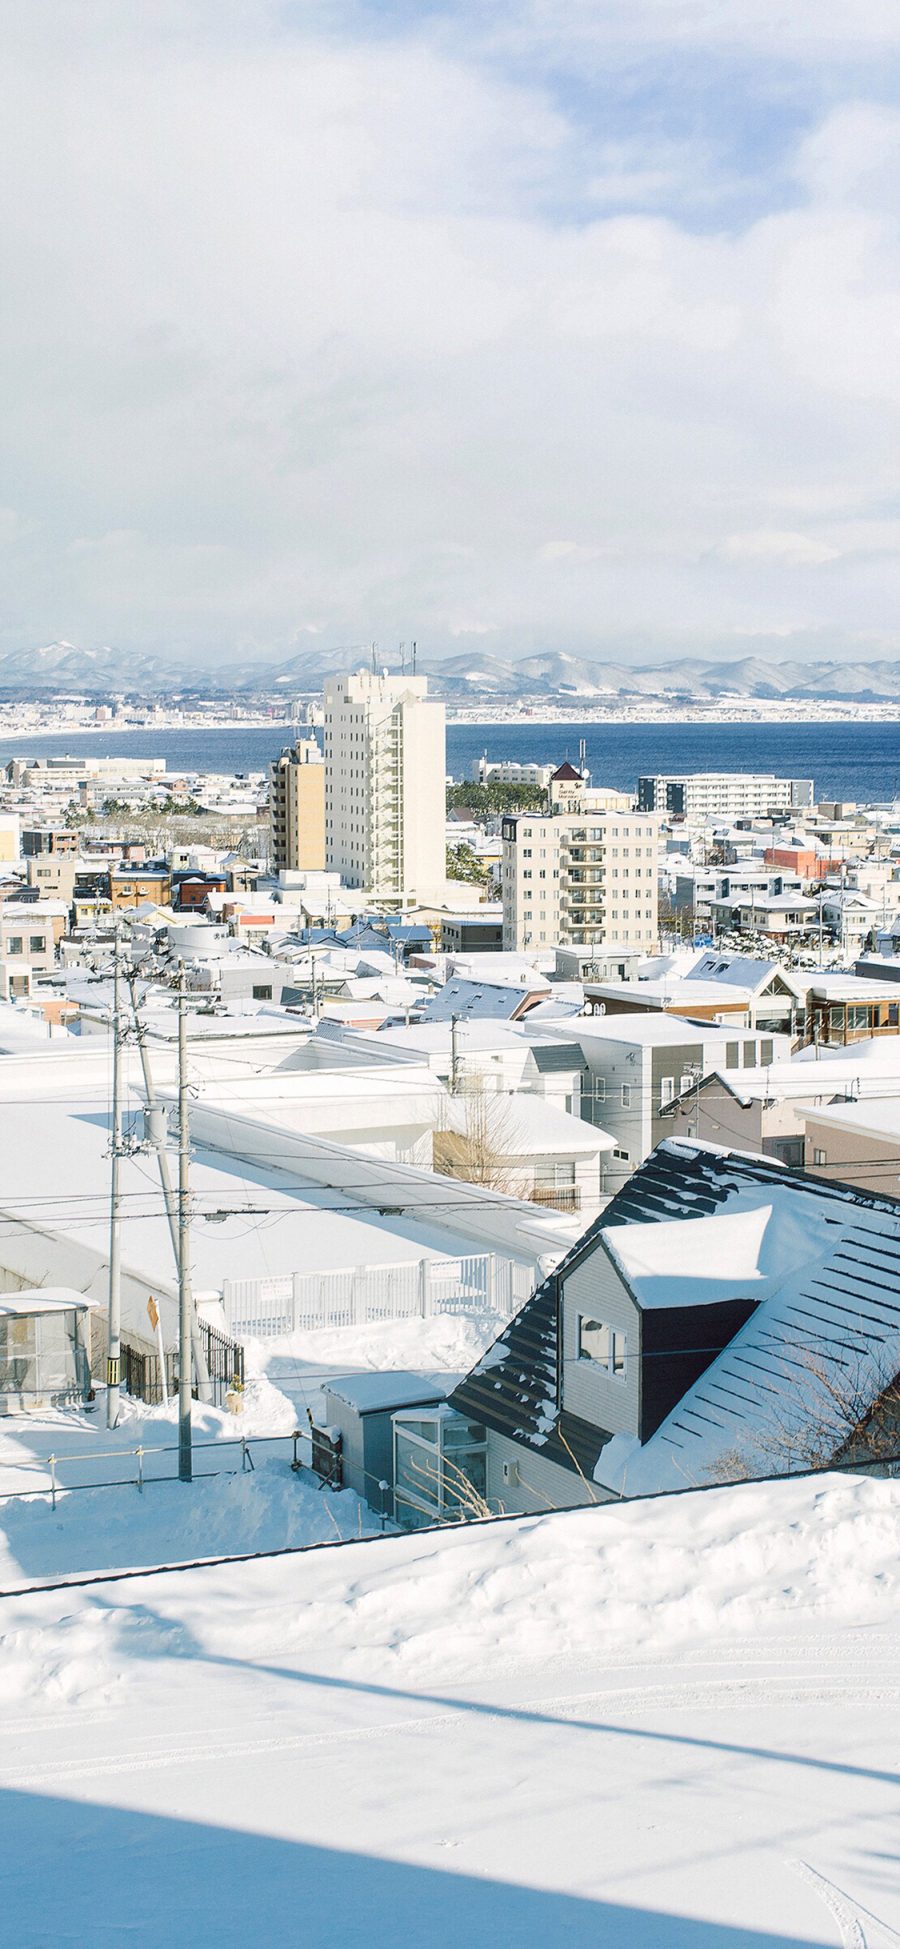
{"x": 156, "y": 1324}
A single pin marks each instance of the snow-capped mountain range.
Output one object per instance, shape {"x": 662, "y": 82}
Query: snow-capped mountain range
{"x": 64, "y": 666}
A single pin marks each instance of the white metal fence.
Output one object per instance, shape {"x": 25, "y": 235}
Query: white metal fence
{"x": 265, "y": 1309}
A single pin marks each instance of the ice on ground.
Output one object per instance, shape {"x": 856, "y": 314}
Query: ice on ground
{"x": 668, "y": 1725}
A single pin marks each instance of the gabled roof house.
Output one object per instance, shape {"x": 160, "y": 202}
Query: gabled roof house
{"x": 724, "y": 1317}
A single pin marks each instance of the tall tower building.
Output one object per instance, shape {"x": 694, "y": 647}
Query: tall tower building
{"x": 297, "y": 808}
{"x": 385, "y": 786}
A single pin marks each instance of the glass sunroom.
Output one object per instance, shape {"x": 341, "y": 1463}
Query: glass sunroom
{"x": 440, "y": 1467}
{"x": 44, "y": 1349}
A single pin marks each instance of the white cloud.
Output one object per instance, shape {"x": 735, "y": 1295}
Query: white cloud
{"x": 805, "y": 30}
{"x": 299, "y": 328}
{"x": 778, "y": 546}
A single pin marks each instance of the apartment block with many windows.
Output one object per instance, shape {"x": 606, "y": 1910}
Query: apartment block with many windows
{"x": 385, "y": 786}
{"x": 297, "y": 808}
{"x": 722, "y": 794}
{"x": 580, "y": 878}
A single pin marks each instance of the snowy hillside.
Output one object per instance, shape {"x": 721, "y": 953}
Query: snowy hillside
{"x": 669, "y": 1725}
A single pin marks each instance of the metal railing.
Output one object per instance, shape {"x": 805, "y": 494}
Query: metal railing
{"x": 56, "y": 1467}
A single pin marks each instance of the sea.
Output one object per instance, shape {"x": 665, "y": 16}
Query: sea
{"x": 846, "y": 761}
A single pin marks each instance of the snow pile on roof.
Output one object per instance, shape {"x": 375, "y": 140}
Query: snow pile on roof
{"x": 684, "y": 1265}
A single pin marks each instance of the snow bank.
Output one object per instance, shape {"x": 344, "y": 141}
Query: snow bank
{"x": 658, "y": 1726}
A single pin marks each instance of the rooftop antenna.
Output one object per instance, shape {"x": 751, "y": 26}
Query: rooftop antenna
{"x": 374, "y": 657}
{"x": 403, "y": 659}
{"x": 582, "y": 756}
{"x": 414, "y": 648}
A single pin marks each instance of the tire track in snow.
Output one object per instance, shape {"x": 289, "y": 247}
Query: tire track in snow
{"x": 735, "y": 1693}
{"x": 847, "y": 1919}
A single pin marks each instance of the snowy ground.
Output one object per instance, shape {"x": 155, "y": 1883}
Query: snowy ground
{"x": 669, "y": 1725}
{"x": 449, "y": 1343}
{"x": 236, "y": 1508}
{"x": 230, "y": 1506}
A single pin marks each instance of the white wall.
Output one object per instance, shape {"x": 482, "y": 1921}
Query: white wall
{"x": 594, "y": 1288}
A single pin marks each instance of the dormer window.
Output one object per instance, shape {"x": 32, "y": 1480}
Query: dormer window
{"x": 605, "y": 1345}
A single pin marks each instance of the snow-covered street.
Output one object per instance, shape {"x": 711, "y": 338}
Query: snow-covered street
{"x": 669, "y": 1725}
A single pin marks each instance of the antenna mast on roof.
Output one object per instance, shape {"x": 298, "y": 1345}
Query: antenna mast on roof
{"x": 414, "y": 646}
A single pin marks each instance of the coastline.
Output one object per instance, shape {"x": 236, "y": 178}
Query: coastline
{"x": 749, "y": 712}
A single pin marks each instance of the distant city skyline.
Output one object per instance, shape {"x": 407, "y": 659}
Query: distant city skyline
{"x": 563, "y": 326}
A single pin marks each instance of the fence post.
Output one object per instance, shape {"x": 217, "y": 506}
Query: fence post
{"x": 52, "y": 1461}
{"x": 490, "y": 1267}
{"x": 140, "y": 1475}
{"x": 358, "y": 1290}
{"x": 426, "y": 1297}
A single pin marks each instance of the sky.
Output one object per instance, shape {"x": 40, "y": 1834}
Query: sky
{"x": 507, "y": 325}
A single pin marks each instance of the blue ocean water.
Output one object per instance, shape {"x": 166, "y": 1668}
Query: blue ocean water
{"x": 852, "y": 761}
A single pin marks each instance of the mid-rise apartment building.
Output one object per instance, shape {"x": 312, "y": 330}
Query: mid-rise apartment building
{"x": 27, "y": 945}
{"x": 385, "y": 786}
{"x": 722, "y": 794}
{"x": 297, "y": 808}
{"x": 582, "y": 876}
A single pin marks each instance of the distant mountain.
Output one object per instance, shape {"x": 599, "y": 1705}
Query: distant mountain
{"x": 553, "y": 674}
{"x": 64, "y": 667}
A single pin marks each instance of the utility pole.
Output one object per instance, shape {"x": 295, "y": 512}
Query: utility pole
{"x": 184, "y": 1246}
{"x": 114, "y": 1322}
{"x": 156, "y": 1135}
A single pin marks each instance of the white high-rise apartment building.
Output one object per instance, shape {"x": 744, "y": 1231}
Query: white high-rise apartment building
{"x": 582, "y": 875}
{"x": 722, "y": 794}
{"x": 385, "y": 786}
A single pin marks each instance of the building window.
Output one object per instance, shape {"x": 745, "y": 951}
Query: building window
{"x": 603, "y": 1344}
{"x": 731, "y": 1055}
{"x": 666, "y": 1089}
{"x": 262, "y": 992}
{"x": 626, "y": 1096}
{"x": 37, "y": 944}
{"x": 14, "y": 944}
{"x": 766, "y": 1051}
{"x": 820, "y": 1157}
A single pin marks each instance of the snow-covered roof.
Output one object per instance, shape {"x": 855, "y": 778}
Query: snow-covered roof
{"x": 674, "y": 1264}
{"x": 829, "y": 1318}
{"x": 380, "y": 1393}
{"x": 497, "y": 1001}
{"x": 651, "y": 1029}
{"x": 526, "y": 1126}
{"x": 839, "y": 987}
{"x": 44, "y": 1299}
{"x": 823, "y": 1260}
{"x": 743, "y": 971}
{"x": 878, "y": 1118}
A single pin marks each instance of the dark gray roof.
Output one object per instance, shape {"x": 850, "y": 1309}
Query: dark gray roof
{"x": 849, "y": 1300}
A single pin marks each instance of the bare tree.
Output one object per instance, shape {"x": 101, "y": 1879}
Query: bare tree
{"x": 477, "y": 1143}
{"x": 823, "y": 1413}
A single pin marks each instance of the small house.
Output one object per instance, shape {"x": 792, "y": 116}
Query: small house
{"x": 725, "y": 1317}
